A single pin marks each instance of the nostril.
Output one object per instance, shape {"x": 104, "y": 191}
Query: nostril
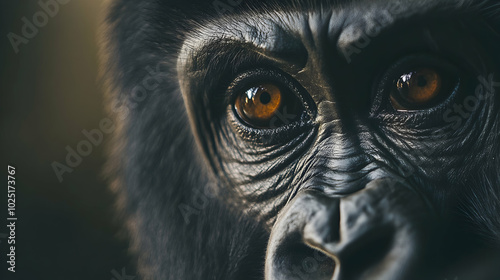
{"x": 370, "y": 252}
{"x": 377, "y": 233}
{"x": 299, "y": 261}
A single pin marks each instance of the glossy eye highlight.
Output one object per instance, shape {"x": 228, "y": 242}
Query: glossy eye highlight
{"x": 267, "y": 105}
{"x": 417, "y": 83}
{"x": 267, "y": 99}
{"x": 416, "y": 88}
{"x": 258, "y": 104}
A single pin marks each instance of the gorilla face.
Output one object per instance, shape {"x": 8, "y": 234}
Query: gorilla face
{"x": 332, "y": 140}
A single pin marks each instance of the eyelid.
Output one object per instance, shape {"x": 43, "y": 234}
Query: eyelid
{"x": 271, "y": 75}
{"x": 286, "y": 83}
{"x": 381, "y": 107}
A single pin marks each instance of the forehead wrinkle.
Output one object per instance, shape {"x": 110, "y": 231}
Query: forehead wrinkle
{"x": 273, "y": 33}
{"x": 270, "y": 34}
{"x": 286, "y": 36}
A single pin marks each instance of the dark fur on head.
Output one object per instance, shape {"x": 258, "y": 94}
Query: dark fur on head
{"x": 154, "y": 160}
{"x": 157, "y": 166}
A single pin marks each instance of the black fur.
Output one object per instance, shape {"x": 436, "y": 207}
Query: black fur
{"x": 159, "y": 170}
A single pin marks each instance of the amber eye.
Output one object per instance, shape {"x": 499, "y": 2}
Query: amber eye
{"x": 267, "y": 105}
{"x": 416, "y": 89}
{"x": 259, "y": 104}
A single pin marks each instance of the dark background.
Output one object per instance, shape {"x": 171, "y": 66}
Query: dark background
{"x": 49, "y": 94}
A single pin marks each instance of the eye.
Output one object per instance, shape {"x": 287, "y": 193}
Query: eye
{"x": 266, "y": 105}
{"x": 416, "y": 88}
{"x": 258, "y": 104}
{"x": 419, "y": 83}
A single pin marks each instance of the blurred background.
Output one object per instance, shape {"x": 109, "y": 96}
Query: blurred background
{"x": 50, "y": 93}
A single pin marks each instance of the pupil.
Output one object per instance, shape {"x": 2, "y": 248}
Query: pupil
{"x": 421, "y": 81}
{"x": 265, "y": 97}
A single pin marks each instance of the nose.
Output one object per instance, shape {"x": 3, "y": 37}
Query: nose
{"x": 381, "y": 232}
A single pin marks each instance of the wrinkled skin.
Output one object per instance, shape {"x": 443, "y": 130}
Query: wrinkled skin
{"x": 349, "y": 186}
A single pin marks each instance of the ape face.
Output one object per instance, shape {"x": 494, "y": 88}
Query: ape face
{"x": 343, "y": 140}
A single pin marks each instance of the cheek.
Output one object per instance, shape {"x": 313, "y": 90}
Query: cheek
{"x": 260, "y": 176}
{"x": 433, "y": 156}
{"x": 259, "y": 189}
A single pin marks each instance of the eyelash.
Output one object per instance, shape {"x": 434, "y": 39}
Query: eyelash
{"x": 279, "y": 133}
{"x": 263, "y": 75}
{"x": 381, "y": 106}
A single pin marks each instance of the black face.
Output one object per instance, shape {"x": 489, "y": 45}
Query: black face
{"x": 342, "y": 140}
